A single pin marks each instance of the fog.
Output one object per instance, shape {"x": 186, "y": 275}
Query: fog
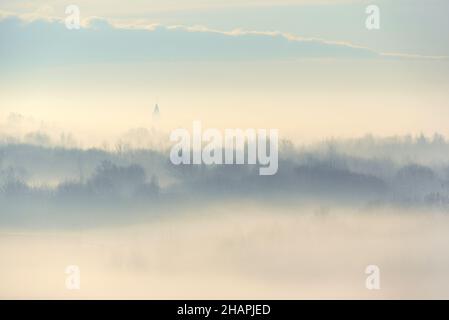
{"x": 60, "y": 186}
{"x": 139, "y": 227}
{"x": 240, "y": 250}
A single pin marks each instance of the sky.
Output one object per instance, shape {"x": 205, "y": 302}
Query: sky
{"x": 308, "y": 68}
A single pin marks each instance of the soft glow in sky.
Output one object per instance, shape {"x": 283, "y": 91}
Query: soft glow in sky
{"x": 251, "y": 64}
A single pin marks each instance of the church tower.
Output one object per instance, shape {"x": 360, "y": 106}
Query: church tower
{"x": 156, "y": 112}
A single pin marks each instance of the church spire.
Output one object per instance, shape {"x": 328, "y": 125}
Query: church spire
{"x": 156, "y": 111}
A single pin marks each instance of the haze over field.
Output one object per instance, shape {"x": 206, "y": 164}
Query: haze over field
{"x": 86, "y": 178}
{"x": 237, "y": 251}
{"x": 139, "y": 227}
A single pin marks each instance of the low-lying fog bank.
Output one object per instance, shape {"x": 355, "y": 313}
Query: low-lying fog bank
{"x": 237, "y": 251}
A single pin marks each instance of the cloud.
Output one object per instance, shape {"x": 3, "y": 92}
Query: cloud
{"x": 35, "y": 41}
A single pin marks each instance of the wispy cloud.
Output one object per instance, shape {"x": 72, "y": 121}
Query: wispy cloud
{"x": 33, "y": 39}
